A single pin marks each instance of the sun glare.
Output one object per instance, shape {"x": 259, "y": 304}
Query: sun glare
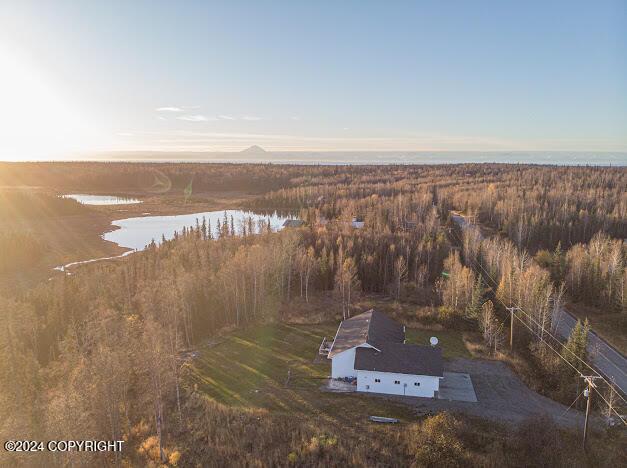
{"x": 36, "y": 120}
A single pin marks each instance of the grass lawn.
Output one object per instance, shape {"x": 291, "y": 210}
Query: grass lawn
{"x": 450, "y": 341}
{"x": 250, "y": 368}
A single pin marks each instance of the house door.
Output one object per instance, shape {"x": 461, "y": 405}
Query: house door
{"x": 405, "y": 389}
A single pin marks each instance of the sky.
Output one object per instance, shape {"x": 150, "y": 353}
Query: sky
{"x": 88, "y": 76}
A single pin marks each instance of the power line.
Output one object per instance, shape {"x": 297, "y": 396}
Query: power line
{"x": 612, "y": 408}
{"x": 527, "y": 325}
{"x": 571, "y": 405}
{"x": 598, "y": 351}
{"x": 527, "y": 314}
{"x": 546, "y": 331}
{"x": 551, "y": 347}
{"x": 536, "y": 323}
{"x": 579, "y": 358}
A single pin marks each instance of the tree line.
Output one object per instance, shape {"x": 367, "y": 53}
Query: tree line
{"x": 490, "y": 276}
{"x": 100, "y": 353}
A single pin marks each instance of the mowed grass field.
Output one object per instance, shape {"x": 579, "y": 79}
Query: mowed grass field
{"x": 450, "y": 340}
{"x": 250, "y": 369}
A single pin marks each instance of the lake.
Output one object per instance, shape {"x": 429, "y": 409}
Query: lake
{"x": 137, "y": 233}
{"x": 101, "y": 199}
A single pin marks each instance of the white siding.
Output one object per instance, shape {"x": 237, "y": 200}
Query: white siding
{"x": 343, "y": 364}
{"x": 427, "y": 388}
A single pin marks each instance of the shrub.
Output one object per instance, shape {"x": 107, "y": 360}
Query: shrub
{"x": 437, "y": 442}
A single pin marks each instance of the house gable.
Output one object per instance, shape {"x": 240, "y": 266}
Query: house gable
{"x": 371, "y": 327}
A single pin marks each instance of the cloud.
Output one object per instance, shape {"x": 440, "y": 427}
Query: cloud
{"x": 208, "y": 136}
{"x": 125, "y": 134}
{"x": 195, "y": 118}
{"x": 202, "y": 118}
{"x": 170, "y": 109}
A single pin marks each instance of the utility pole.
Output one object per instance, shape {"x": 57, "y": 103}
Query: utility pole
{"x": 588, "y": 394}
{"x": 512, "y": 310}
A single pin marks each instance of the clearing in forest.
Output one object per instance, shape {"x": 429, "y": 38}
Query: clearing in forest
{"x": 250, "y": 369}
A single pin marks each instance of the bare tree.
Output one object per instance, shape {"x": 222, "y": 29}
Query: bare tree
{"x": 491, "y": 329}
{"x": 346, "y": 282}
{"x": 400, "y": 274}
{"x": 155, "y": 360}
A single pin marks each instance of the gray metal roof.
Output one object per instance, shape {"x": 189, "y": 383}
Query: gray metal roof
{"x": 371, "y": 327}
{"x": 401, "y": 359}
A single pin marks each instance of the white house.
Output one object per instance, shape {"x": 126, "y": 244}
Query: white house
{"x": 371, "y": 348}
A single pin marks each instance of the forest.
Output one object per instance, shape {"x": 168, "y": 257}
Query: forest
{"x": 102, "y": 353}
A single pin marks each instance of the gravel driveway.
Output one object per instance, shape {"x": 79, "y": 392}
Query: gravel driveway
{"x": 501, "y": 396}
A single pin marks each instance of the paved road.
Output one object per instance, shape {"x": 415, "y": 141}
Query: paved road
{"x": 603, "y": 356}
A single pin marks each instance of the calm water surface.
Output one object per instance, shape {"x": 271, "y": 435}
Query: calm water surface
{"x": 137, "y": 233}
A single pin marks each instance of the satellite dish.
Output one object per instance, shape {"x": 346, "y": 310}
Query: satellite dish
{"x": 433, "y": 340}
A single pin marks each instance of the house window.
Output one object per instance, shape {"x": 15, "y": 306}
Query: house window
{"x": 397, "y": 382}
{"x": 417, "y": 384}
{"x": 367, "y": 387}
{"x": 377, "y": 380}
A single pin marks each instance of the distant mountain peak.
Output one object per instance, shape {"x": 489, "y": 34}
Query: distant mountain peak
{"x": 255, "y": 149}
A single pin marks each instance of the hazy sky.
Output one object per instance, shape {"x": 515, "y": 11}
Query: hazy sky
{"x": 318, "y": 75}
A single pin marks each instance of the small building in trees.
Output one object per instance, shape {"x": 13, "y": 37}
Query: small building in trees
{"x": 371, "y": 349}
{"x": 357, "y": 223}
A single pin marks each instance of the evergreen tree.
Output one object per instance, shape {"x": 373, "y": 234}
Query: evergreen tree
{"x": 473, "y": 309}
{"x": 558, "y": 264}
{"x": 324, "y": 268}
{"x": 575, "y": 348}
